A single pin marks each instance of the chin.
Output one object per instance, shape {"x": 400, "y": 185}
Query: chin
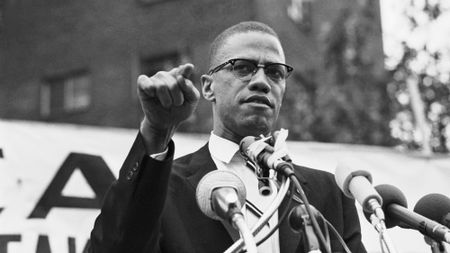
{"x": 256, "y": 128}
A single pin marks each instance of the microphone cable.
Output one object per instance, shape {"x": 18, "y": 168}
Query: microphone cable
{"x": 282, "y": 217}
{"x": 336, "y": 233}
{"x": 287, "y": 169}
{"x": 285, "y": 166}
{"x": 333, "y": 229}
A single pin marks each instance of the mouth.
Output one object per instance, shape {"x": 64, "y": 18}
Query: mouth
{"x": 258, "y": 99}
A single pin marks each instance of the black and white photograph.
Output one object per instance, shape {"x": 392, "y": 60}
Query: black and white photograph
{"x": 225, "y": 126}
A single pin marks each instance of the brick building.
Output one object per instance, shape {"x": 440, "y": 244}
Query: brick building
{"x": 77, "y": 61}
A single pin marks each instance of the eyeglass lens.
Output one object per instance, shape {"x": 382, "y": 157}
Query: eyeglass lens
{"x": 246, "y": 69}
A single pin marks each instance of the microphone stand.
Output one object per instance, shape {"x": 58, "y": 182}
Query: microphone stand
{"x": 246, "y": 234}
{"x": 237, "y": 246}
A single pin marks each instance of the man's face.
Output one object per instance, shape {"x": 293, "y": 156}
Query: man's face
{"x": 243, "y": 108}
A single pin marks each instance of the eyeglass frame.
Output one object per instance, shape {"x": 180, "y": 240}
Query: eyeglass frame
{"x": 257, "y": 66}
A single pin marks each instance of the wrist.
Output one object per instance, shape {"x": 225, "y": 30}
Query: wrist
{"x": 156, "y": 140}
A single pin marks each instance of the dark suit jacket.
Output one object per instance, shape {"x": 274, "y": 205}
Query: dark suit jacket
{"x": 152, "y": 208}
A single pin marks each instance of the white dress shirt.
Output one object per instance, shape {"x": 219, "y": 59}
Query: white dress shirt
{"x": 226, "y": 156}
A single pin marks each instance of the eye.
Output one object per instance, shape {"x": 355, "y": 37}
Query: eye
{"x": 243, "y": 68}
{"x": 276, "y": 71}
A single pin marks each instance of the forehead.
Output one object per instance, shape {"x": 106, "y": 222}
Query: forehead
{"x": 252, "y": 45}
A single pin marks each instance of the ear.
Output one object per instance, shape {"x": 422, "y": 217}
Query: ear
{"x": 207, "y": 88}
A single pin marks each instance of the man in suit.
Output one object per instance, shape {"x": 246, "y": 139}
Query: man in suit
{"x": 152, "y": 205}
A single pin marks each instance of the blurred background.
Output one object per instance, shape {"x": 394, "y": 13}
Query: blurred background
{"x": 370, "y": 76}
{"x": 366, "y": 71}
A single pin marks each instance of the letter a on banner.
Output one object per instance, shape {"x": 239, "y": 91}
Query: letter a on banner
{"x": 97, "y": 174}
{"x": 5, "y": 239}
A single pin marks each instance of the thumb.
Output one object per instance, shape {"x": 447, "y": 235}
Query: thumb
{"x": 186, "y": 70}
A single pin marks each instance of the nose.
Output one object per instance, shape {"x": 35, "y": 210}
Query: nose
{"x": 259, "y": 82}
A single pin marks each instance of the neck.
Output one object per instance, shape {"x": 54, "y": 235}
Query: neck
{"x": 228, "y": 135}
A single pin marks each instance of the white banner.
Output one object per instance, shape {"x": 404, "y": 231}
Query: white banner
{"x": 53, "y": 177}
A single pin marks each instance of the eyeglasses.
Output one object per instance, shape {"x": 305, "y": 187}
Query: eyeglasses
{"x": 244, "y": 69}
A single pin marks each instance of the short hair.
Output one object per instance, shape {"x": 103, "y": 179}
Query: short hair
{"x": 242, "y": 27}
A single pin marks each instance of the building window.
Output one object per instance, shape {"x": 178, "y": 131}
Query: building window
{"x": 166, "y": 62}
{"x": 66, "y": 94}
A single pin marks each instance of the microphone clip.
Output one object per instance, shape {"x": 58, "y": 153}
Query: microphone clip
{"x": 300, "y": 222}
{"x": 263, "y": 173}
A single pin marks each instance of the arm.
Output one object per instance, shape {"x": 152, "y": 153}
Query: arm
{"x": 130, "y": 217}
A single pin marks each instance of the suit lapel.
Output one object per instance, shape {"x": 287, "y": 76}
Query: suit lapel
{"x": 201, "y": 164}
{"x": 290, "y": 240}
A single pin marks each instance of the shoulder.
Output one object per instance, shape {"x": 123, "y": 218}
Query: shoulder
{"x": 314, "y": 175}
{"x": 318, "y": 184}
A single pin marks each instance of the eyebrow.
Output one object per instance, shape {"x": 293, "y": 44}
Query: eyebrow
{"x": 257, "y": 61}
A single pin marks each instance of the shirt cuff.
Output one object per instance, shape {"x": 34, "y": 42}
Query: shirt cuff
{"x": 160, "y": 156}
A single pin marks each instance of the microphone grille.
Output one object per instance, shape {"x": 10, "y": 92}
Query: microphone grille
{"x": 434, "y": 206}
{"x": 391, "y": 195}
{"x": 213, "y": 180}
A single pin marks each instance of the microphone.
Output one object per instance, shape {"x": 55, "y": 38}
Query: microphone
{"x": 260, "y": 152}
{"x": 357, "y": 184}
{"x": 397, "y": 214}
{"x": 220, "y": 195}
{"x": 391, "y": 196}
{"x": 262, "y": 157}
{"x": 434, "y": 206}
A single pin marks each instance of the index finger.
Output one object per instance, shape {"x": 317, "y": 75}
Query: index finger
{"x": 191, "y": 94}
{"x": 184, "y": 70}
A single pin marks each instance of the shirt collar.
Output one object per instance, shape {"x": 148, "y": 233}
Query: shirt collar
{"x": 222, "y": 149}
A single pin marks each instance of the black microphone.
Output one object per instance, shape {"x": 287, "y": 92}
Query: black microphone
{"x": 397, "y": 214}
{"x": 357, "y": 184}
{"x": 434, "y": 206}
{"x": 391, "y": 196}
{"x": 261, "y": 152}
